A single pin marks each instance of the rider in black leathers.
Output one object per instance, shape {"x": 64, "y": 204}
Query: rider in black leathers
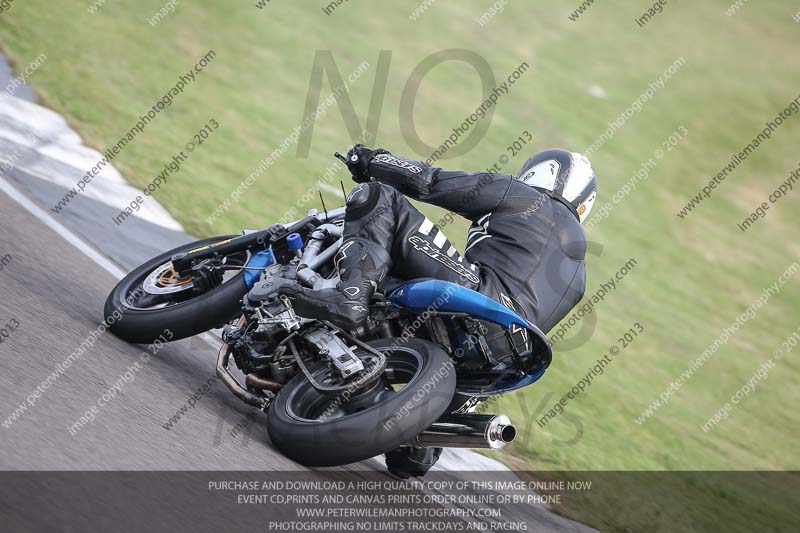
{"x": 525, "y": 248}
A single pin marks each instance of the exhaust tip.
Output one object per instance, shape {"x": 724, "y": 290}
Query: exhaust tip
{"x": 508, "y": 434}
{"x": 501, "y": 432}
{"x": 468, "y": 430}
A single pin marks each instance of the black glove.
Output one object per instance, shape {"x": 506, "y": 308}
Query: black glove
{"x": 358, "y": 159}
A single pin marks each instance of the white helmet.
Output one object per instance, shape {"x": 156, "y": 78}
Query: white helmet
{"x": 565, "y": 175}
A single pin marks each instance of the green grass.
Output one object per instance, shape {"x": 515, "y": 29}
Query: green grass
{"x": 693, "y": 278}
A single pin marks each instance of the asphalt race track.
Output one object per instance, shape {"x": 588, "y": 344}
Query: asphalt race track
{"x": 56, "y": 294}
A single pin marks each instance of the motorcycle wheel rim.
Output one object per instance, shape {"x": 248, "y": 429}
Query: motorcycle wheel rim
{"x": 306, "y": 404}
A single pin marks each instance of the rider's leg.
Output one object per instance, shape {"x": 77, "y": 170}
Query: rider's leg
{"x": 361, "y": 265}
{"x": 380, "y": 214}
{"x": 383, "y": 233}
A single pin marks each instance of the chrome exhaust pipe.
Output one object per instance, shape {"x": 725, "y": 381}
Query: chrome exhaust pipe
{"x": 468, "y": 431}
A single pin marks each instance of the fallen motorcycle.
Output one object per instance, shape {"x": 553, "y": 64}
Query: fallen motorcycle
{"x": 410, "y": 379}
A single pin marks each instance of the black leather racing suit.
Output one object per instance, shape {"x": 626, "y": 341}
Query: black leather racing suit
{"x": 525, "y": 248}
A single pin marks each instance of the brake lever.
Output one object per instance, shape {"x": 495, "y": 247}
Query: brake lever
{"x": 340, "y": 157}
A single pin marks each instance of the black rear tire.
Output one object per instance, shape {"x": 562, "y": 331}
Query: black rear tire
{"x": 361, "y": 435}
{"x": 201, "y": 313}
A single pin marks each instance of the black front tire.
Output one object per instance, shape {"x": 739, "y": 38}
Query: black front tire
{"x": 201, "y": 313}
{"x": 375, "y": 430}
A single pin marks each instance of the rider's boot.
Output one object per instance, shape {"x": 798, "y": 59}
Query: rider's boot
{"x": 361, "y": 265}
{"x": 411, "y": 461}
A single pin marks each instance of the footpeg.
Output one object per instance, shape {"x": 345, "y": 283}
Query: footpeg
{"x": 343, "y": 358}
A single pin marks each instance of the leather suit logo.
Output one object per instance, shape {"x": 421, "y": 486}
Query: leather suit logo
{"x": 424, "y": 246}
{"x": 400, "y": 163}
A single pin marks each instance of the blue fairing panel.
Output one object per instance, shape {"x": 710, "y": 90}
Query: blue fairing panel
{"x": 443, "y": 296}
{"x": 255, "y": 266}
{"x": 446, "y": 297}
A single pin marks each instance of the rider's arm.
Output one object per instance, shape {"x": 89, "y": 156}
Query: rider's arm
{"x": 469, "y": 195}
